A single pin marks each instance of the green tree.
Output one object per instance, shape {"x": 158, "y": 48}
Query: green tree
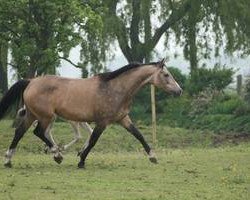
{"x": 41, "y": 32}
{"x": 136, "y": 35}
{"x": 247, "y": 90}
{"x": 138, "y": 25}
{"x": 3, "y": 66}
{"x": 214, "y": 27}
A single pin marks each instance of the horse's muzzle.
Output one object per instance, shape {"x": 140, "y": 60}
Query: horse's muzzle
{"x": 178, "y": 92}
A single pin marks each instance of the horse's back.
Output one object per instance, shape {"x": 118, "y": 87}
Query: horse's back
{"x": 45, "y": 86}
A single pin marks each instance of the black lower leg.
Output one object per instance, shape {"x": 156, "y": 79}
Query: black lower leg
{"x": 19, "y": 132}
{"x": 39, "y": 132}
{"x": 136, "y": 133}
{"x": 91, "y": 143}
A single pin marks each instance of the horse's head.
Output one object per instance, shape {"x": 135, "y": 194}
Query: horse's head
{"x": 163, "y": 79}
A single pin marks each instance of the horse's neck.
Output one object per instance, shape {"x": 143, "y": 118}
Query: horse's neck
{"x": 133, "y": 80}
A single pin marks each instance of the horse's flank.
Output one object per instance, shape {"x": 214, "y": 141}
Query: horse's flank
{"x": 68, "y": 98}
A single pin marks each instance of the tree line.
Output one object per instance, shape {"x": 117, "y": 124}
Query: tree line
{"x": 40, "y": 33}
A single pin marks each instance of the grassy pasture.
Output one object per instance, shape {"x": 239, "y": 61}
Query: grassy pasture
{"x": 190, "y": 167}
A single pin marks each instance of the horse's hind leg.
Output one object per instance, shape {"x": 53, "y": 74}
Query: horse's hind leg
{"x": 87, "y": 127}
{"x": 127, "y": 124}
{"x": 40, "y": 131}
{"x": 23, "y": 126}
{"x": 19, "y": 117}
{"x": 77, "y": 134}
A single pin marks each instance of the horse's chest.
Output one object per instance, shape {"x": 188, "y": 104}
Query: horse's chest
{"x": 113, "y": 106}
{"x": 112, "y": 113}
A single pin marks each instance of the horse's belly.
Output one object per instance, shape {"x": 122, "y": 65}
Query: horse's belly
{"x": 75, "y": 114}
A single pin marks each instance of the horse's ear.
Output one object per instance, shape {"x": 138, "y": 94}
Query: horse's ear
{"x": 162, "y": 63}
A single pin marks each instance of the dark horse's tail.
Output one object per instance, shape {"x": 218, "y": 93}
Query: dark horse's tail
{"x": 12, "y": 96}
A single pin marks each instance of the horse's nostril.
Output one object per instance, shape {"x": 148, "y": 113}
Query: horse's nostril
{"x": 179, "y": 92}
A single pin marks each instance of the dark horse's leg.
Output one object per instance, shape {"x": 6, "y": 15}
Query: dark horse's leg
{"x": 90, "y": 144}
{"x": 127, "y": 124}
{"x": 40, "y": 132}
{"x": 19, "y": 132}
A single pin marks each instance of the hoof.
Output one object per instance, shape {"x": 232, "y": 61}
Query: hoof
{"x": 153, "y": 160}
{"x": 58, "y": 158}
{"x": 61, "y": 148}
{"x": 8, "y": 165}
{"x": 81, "y": 165}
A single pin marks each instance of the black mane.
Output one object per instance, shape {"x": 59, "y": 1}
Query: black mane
{"x": 111, "y": 75}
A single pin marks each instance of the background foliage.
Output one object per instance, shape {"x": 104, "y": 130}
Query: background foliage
{"x": 40, "y": 33}
{"x": 211, "y": 106}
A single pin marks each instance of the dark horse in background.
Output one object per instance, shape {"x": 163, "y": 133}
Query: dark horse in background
{"x": 103, "y": 99}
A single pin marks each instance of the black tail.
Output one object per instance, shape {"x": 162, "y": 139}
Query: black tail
{"x": 12, "y": 96}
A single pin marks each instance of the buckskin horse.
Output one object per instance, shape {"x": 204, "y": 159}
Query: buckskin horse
{"x": 104, "y": 99}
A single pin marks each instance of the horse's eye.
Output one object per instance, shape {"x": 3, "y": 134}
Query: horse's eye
{"x": 166, "y": 75}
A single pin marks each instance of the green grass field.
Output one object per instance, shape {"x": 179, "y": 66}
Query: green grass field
{"x": 192, "y": 165}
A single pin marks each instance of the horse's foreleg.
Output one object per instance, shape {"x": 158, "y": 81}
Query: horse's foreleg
{"x": 77, "y": 134}
{"x": 127, "y": 124}
{"x": 90, "y": 144}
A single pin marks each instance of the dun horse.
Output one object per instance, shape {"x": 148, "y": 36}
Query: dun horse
{"x": 103, "y": 99}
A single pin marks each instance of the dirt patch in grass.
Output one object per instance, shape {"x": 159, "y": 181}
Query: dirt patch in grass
{"x": 231, "y": 138}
